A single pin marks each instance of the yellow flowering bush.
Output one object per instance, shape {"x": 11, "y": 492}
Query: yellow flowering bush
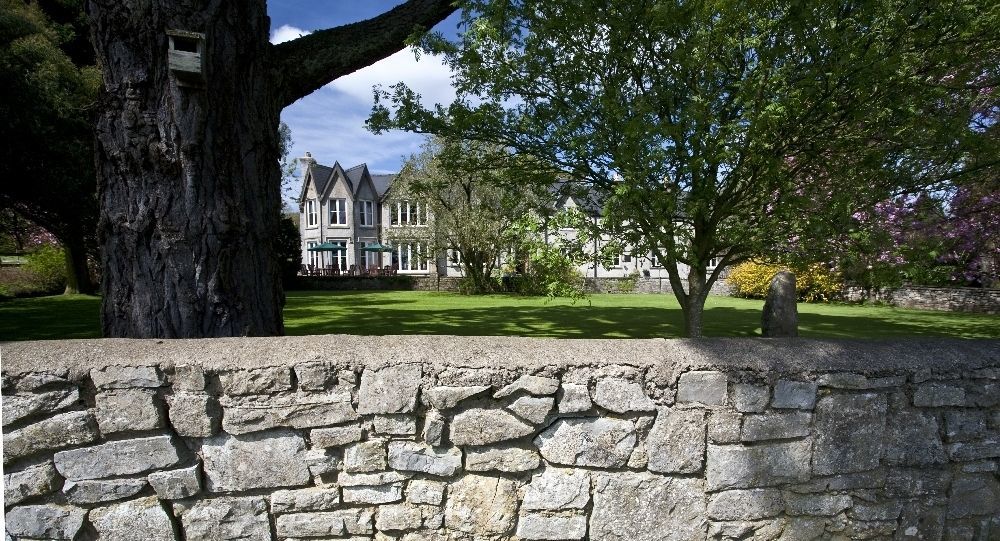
{"x": 814, "y": 282}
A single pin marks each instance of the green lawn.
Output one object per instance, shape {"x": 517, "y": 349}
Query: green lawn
{"x": 600, "y": 316}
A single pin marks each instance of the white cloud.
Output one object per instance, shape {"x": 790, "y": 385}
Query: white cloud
{"x": 429, "y": 77}
{"x": 287, "y": 32}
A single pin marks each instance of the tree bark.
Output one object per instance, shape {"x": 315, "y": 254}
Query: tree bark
{"x": 77, "y": 271}
{"x": 694, "y": 303}
{"x": 188, "y": 176}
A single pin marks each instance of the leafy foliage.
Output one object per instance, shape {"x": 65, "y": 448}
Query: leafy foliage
{"x": 813, "y": 283}
{"x": 288, "y": 250}
{"x": 719, "y": 129}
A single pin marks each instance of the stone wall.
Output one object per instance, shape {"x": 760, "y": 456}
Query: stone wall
{"x": 421, "y": 438}
{"x": 376, "y": 283}
{"x": 951, "y": 299}
{"x": 647, "y": 285}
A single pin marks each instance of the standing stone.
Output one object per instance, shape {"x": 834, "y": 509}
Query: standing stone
{"x": 245, "y": 519}
{"x": 781, "y": 316}
{"x": 704, "y": 387}
{"x": 420, "y": 457}
{"x": 58, "y": 432}
{"x": 392, "y": 389}
{"x": 621, "y": 396}
{"x": 176, "y": 484}
{"x": 44, "y": 521}
{"x": 127, "y": 410}
{"x": 556, "y": 489}
{"x": 136, "y": 520}
{"x": 644, "y": 507}
{"x": 260, "y": 460}
{"x": 849, "y": 432}
{"x": 676, "y": 443}
{"x": 485, "y": 426}
{"x": 120, "y": 457}
{"x": 593, "y": 441}
{"x": 481, "y": 506}
{"x": 30, "y": 482}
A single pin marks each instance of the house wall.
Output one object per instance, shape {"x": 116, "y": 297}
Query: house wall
{"x": 501, "y": 438}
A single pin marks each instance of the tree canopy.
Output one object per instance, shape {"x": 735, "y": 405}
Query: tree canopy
{"x": 722, "y": 130}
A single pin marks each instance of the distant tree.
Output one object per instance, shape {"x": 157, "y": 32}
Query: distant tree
{"x": 48, "y": 92}
{"x": 476, "y": 195}
{"x": 715, "y": 129}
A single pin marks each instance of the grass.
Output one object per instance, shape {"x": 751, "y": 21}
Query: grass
{"x": 600, "y": 316}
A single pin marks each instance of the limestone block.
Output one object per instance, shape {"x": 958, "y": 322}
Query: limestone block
{"x": 194, "y": 415}
{"x": 537, "y": 526}
{"x": 703, "y": 387}
{"x": 420, "y": 457}
{"x": 422, "y": 491}
{"x": 251, "y": 414}
{"x": 188, "y": 377}
{"x": 485, "y": 426}
{"x": 532, "y": 409}
{"x": 395, "y": 425}
{"x": 878, "y": 511}
{"x": 964, "y": 425}
{"x": 823, "y": 505}
{"x": 31, "y": 482}
{"x": 57, "y": 432}
{"x": 724, "y": 426}
{"x": 260, "y": 460}
{"x": 271, "y": 379}
{"x": 780, "y": 317}
{"x": 575, "y": 398}
{"x": 909, "y": 483}
{"x": 245, "y": 519}
{"x": 503, "y": 459}
{"x": 116, "y": 458}
{"x": 320, "y": 524}
{"x": 35, "y": 381}
{"x": 337, "y": 436}
{"x": 392, "y": 389}
{"x": 365, "y": 456}
{"x": 371, "y": 479}
{"x": 305, "y": 500}
{"x": 481, "y": 506}
{"x": 176, "y": 484}
{"x": 127, "y": 410}
{"x": 849, "y": 432}
{"x": 626, "y": 504}
{"x": 556, "y": 489}
{"x": 434, "y": 425}
{"x": 398, "y": 517}
{"x": 620, "y": 396}
{"x": 88, "y": 492}
{"x": 794, "y": 395}
{"x": 978, "y": 450}
{"x": 533, "y": 385}
{"x": 676, "y": 443}
{"x": 920, "y": 521}
{"x": 974, "y": 495}
{"x": 746, "y": 504}
{"x": 127, "y": 377}
{"x": 850, "y": 481}
{"x": 44, "y": 521}
{"x": 315, "y": 376}
{"x": 982, "y": 394}
{"x": 449, "y": 397}
{"x": 374, "y": 495}
{"x": 763, "y": 465}
{"x": 20, "y": 406}
{"x": 935, "y": 395}
{"x": 136, "y": 520}
{"x": 591, "y": 441}
{"x": 912, "y": 439}
{"x": 750, "y": 398}
{"x": 775, "y": 426}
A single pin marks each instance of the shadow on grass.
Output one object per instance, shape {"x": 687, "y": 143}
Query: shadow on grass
{"x": 50, "y": 318}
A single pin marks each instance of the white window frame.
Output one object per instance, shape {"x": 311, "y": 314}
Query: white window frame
{"x": 313, "y": 257}
{"x": 338, "y": 211}
{"x": 339, "y": 258}
{"x": 415, "y": 256}
{"x": 366, "y": 213}
{"x": 312, "y": 217}
{"x": 455, "y": 257}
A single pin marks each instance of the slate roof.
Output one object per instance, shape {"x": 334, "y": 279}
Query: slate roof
{"x": 382, "y": 183}
{"x": 355, "y": 175}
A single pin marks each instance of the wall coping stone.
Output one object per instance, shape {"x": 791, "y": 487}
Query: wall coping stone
{"x": 75, "y": 358}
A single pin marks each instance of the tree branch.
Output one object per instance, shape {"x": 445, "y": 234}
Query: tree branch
{"x": 309, "y": 62}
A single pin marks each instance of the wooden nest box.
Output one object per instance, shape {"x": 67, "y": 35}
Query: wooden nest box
{"x": 185, "y": 57}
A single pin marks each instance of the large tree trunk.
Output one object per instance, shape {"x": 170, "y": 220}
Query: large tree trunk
{"x": 77, "y": 270}
{"x": 188, "y": 176}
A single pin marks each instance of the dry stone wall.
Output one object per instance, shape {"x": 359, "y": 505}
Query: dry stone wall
{"x": 500, "y": 438}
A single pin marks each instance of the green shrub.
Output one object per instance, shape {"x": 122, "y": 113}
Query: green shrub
{"x": 48, "y": 265}
{"x": 813, "y": 283}
{"x": 629, "y": 283}
{"x": 552, "y": 274}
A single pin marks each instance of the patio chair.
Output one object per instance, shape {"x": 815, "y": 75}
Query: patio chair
{"x": 335, "y": 271}
{"x": 352, "y": 271}
{"x": 303, "y": 270}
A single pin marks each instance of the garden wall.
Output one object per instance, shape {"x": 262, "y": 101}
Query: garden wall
{"x": 646, "y": 285}
{"x": 951, "y": 299}
{"x": 425, "y": 438}
{"x": 376, "y": 283}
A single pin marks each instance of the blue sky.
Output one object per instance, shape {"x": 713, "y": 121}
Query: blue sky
{"x": 330, "y": 123}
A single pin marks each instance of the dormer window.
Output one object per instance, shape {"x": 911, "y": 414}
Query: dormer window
{"x": 312, "y": 217}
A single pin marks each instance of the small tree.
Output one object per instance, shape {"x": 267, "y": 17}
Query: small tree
{"x": 476, "y": 194}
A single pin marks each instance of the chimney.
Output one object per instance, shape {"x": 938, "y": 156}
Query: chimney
{"x": 306, "y": 161}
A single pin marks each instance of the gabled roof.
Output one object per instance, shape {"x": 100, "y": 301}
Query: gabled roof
{"x": 355, "y": 175}
{"x": 319, "y": 175}
{"x": 382, "y": 183}
{"x": 323, "y": 177}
